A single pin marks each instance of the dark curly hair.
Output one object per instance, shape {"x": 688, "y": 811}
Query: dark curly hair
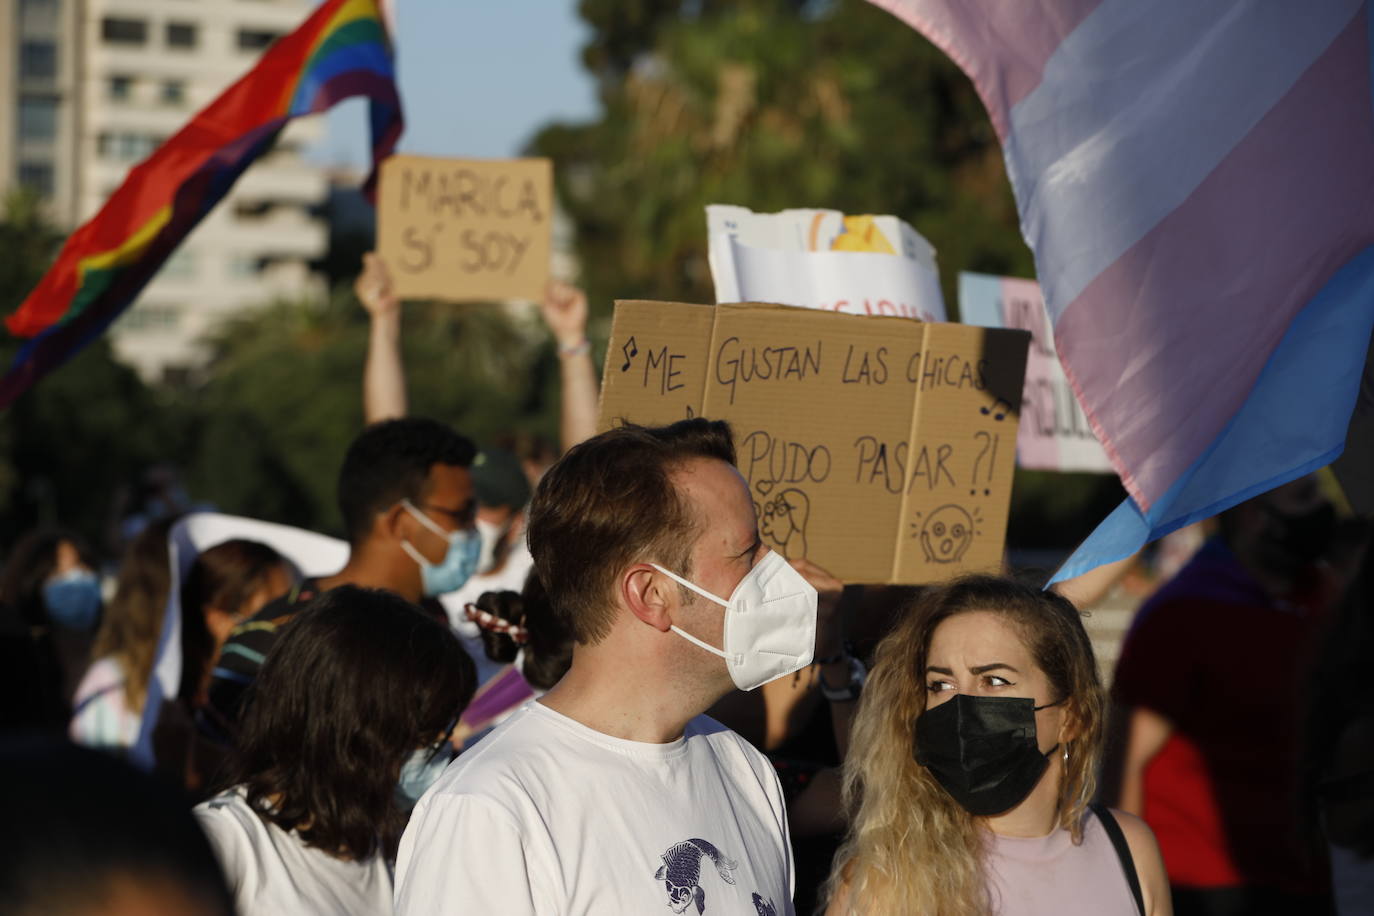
{"x": 355, "y": 683}
{"x": 548, "y": 653}
{"x": 389, "y": 462}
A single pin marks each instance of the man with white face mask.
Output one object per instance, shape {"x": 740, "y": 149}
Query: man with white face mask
{"x": 613, "y": 793}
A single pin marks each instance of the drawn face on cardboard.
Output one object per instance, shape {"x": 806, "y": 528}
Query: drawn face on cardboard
{"x": 946, "y": 535}
{"x": 782, "y": 522}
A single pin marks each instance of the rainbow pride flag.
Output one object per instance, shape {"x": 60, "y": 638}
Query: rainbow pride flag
{"x": 341, "y": 51}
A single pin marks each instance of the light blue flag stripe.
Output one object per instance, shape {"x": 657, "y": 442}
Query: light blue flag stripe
{"x": 1293, "y": 423}
{"x": 1137, "y": 107}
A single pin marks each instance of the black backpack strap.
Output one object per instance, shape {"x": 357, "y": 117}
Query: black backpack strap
{"x": 1123, "y": 851}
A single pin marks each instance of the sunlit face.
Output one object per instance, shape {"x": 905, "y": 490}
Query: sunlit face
{"x": 65, "y": 559}
{"x": 728, "y": 544}
{"x": 981, "y": 653}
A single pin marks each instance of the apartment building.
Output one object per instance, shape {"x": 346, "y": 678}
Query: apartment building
{"x": 37, "y": 100}
{"x": 93, "y": 86}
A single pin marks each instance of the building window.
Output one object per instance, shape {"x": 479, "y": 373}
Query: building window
{"x": 126, "y": 146}
{"x": 37, "y": 17}
{"x": 119, "y": 88}
{"x": 256, "y": 39}
{"x": 181, "y": 35}
{"x": 173, "y": 92}
{"x": 151, "y": 318}
{"x": 37, "y": 119}
{"x": 37, "y": 60}
{"x": 244, "y": 266}
{"x": 180, "y": 266}
{"x": 38, "y": 176}
{"x": 117, "y": 31}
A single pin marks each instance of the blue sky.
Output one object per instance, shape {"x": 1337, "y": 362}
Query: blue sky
{"x": 478, "y": 78}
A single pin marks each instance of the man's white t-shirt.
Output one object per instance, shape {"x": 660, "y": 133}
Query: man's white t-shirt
{"x": 548, "y": 816}
{"x": 271, "y": 871}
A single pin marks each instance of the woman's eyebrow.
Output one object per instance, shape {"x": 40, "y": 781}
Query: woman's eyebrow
{"x": 984, "y": 669}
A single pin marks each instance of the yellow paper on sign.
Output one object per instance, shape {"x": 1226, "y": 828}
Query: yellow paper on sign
{"x": 861, "y": 233}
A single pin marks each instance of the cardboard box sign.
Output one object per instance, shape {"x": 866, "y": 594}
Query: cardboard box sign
{"x": 880, "y": 448}
{"x": 466, "y": 230}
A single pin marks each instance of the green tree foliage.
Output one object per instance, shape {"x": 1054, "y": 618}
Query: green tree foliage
{"x": 70, "y": 443}
{"x": 765, "y": 103}
{"x": 284, "y": 397}
{"x": 771, "y": 104}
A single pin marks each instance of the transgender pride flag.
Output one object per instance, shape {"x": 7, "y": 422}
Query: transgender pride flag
{"x": 1196, "y": 179}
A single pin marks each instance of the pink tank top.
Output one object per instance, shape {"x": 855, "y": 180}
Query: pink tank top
{"x": 1050, "y": 876}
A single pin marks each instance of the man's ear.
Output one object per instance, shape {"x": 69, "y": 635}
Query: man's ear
{"x": 649, "y": 595}
{"x": 394, "y": 523}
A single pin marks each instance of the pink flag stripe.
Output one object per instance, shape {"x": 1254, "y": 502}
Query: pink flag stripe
{"x": 1270, "y": 225}
{"x": 977, "y": 35}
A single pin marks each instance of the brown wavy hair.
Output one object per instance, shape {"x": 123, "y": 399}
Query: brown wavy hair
{"x": 132, "y": 626}
{"x": 356, "y": 681}
{"x": 223, "y": 577}
{"x": 911, "y": 848}
{"x": 611, "y": 502}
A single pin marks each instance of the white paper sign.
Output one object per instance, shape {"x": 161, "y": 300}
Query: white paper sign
{"x": 1054, "y": 434}
{"x": 822, "y": 259}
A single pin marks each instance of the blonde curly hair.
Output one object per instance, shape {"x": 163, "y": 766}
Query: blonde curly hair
{"x": 911, "y": 848}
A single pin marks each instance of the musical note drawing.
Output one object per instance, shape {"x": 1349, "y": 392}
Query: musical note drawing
{"x": 630, "y": 351}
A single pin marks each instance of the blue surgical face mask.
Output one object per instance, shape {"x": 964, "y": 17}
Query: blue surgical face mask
{"x": 73, "y": 599}
{"x": 420, "y": 771}
{"x": 458, "y": 564}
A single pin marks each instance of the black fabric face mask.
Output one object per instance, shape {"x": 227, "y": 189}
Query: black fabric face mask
{"x": 982, "y": 750}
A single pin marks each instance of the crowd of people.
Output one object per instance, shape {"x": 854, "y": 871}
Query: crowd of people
{"x": 587, "y": 686}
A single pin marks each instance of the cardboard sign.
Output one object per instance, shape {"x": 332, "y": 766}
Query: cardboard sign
{"x": 1055, "y": 433}
{"x": 466, "y": 230}
{"x": 823, "y": 259}
{"x": 880, "y": 448}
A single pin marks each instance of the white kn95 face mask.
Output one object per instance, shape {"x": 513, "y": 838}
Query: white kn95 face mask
{"x": 770, "y": 622}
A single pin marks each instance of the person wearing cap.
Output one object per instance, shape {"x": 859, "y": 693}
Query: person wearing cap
{"x": 503, "y": 491}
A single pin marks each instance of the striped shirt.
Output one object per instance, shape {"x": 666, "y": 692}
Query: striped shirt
{"x": 242, "y": 658}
